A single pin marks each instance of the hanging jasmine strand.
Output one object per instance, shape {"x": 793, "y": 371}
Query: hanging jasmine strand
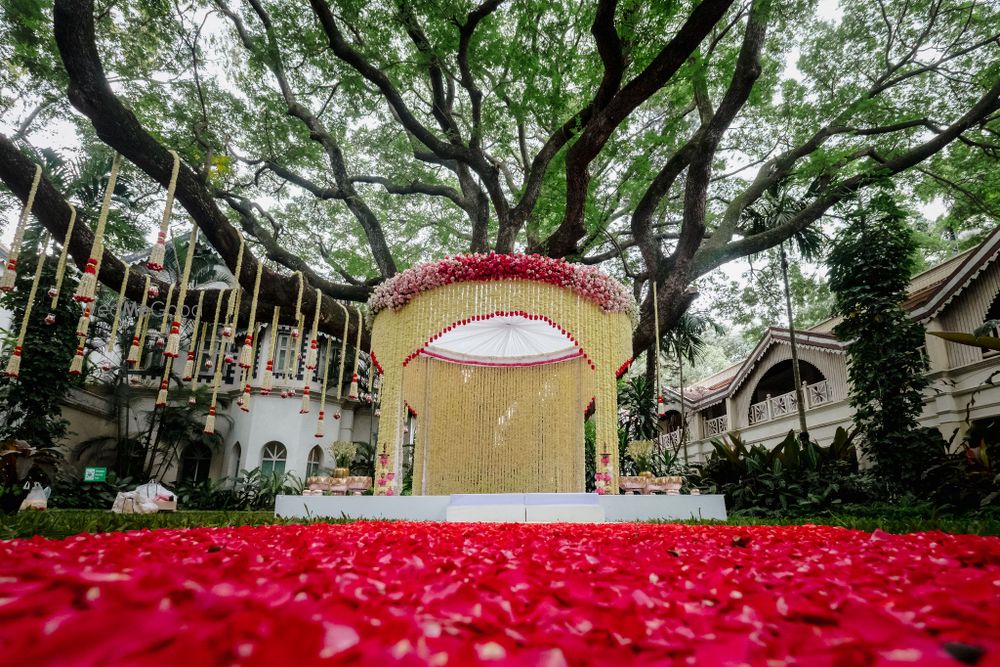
{"x": 113, "y": 335}
{"x": 10, "y": 271}
{"x": 161, "y": 340}
{"x": 134, "y": 349}
{"x": 195, "y": 339}
{"x": 246, "y": 352}
{"x": 311, "y": 355}
{"x": 353, "y": 394}
{"x": 292, "y": 364}
{"x": 14, "y": 363}
{"x": 173, "y": 349}
{"x": 267, "y": 381}
{"x": 196, "y": 364}
{"x": 159, "y": 250}
{"x": 320, "y": 423}
{"x": 61, "y": 267}
{"x": 248, "y": 371}
{"x": 233, "y": 311}
{"x": 86, "y": 290}
{"x": 343, "y": 350}
{"x": 217, "y": 376}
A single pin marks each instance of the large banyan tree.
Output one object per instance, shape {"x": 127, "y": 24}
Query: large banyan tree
{"x": 349, "y": 139}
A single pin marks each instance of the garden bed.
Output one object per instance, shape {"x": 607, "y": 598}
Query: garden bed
{"x": 407, "y": 593}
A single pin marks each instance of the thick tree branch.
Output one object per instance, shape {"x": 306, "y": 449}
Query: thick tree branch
{"x": 118, "y": 127}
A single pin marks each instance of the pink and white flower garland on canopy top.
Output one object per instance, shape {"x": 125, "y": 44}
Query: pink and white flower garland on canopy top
{"x": 589, "y": 282}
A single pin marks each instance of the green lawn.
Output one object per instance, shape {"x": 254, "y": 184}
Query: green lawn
{"x": 63, "y": 523}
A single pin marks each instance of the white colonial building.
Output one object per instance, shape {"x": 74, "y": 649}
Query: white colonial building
{"x": 756, "y": 397}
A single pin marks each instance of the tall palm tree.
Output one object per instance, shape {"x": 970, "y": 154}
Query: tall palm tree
{"x": 685, "y": 341}
{"x": 775, "y": 208}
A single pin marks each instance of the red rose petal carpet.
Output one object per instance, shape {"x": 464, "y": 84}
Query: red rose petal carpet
{"x": 372, "y": 593}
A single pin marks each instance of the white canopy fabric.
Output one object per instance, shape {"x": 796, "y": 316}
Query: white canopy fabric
{"x": 505, "y": 340}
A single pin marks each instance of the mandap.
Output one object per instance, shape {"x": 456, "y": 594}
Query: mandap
{"x": 490, "y": 364}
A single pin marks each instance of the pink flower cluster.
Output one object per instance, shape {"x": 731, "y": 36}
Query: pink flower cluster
{"x": 398, "y": 593}
{"x": 589, "y": 282}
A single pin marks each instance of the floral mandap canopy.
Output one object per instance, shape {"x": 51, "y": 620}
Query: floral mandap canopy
{"x": 495, "y": 360}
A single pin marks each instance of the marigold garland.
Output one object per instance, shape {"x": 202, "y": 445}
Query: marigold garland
{"x": 14, "y": 362}
{"x": 86, "y": 290}
{"x": 10, "y": 271}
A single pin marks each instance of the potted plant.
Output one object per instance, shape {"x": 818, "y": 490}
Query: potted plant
{"x": 343, "y": 453}
{"x": 640, "y": 451}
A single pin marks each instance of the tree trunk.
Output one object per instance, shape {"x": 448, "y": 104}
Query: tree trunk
{"x": 796, "y": 375}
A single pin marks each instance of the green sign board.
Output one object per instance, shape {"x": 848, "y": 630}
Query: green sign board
{"x": 95, "y": 474}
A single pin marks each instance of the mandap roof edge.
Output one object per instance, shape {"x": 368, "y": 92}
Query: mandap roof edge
{"x": 588, "y": 282}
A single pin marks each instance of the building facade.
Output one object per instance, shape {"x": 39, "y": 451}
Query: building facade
{"x": 756, "y": 397}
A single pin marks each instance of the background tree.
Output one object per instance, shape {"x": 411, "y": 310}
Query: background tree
{"x": 350, "y": 140}
{"x": 30, "y": 407}
{"x": 870, "y": 266}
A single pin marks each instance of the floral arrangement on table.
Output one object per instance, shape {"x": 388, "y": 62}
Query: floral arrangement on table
{"x": 589, "y": 282}
{"x": 640, "y": 451}
{"x": 343, "y": 452}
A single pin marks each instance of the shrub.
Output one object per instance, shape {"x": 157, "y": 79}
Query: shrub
{"x": 792, "y": 478}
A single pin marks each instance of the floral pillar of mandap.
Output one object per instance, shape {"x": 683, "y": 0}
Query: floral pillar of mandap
{"x": 497, "y": 358}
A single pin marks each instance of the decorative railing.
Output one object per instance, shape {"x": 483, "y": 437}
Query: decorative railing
{"x": 671, "y": 439}
{"x": 775, "y": 407}
{"x": 716, "y": 426}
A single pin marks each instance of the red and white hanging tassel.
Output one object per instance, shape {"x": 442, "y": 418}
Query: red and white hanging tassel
{"x": 304, "y": 409}
{"x": 83, "y": 324}
{"x": 321, "y": 425}
{"x": 210, "y": 420}
{"x": 267, "y": 378}
{"x": 14, "y": 362}
{"x": 10, "y": 271}
{"x": 245, "y": 405}
{"x": 159, "y": 250}
{"x": 312, "y": 353}
{"x": 352, "y": 394}
{"x": 76, "y": 366}
{"x": 193, "y": 353}
{"x": 61, "y": 267}
{"x": 246, "y": 352}
{"x": 661, "y": 407}
{"x": 173, "y": 347}
{"x": 161, "y": 396}
{"x": 86, "y": 290}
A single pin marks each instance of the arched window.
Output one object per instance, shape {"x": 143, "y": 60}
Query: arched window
{"x": 774, "y": 395}
{"x": 272, "y": 459}
{"x": 195, "y": 462}
{"x": 315, "y": 462}
{"x": 234, "y": 465}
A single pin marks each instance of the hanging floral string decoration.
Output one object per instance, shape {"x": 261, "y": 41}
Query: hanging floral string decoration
{"x": 292, "y": 365}
{"x": 217, "y": 376}
{"x": 246, "y": 352}
{"x": 343, "y": 350}
{"x": 10, "y": 271}
{"x": 14, "y": 362}
{"x": 191, "y": 375}
{"x": 311, "y": 356}
{"x": 173, "y": 349}
{"x": 61, "y": 267}
{"x": 188, "y": 371}
{"x": 86, "y": 290}
{"x": 116, "y": 320}
{"x": 207, "y": 343}
{"x": 353, "y": 393}
{"x": 267, "y": 379}
{"x": 248, "y": 373}
{"x": 161, "y": 396}
{"x": 320, "y": 425}
{"x": 159, "y": 250}
{"x": 136, "y": 347}
{"x": 661, "y": 406}
{"x": 233, "y": 312}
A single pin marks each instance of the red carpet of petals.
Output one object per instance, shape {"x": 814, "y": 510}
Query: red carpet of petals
{"x": 452, "y": 594}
